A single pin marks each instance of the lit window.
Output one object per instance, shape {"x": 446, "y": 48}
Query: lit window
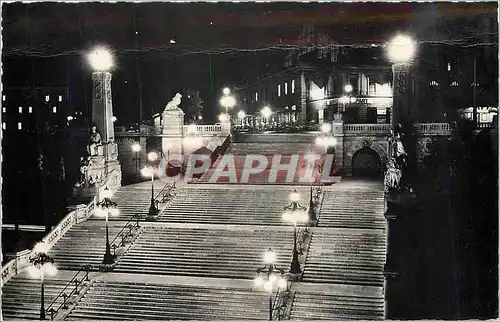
{"x": 30, "y": 109}
{"x": 293, "y": 86}
{"x": 3, "y": 98}
{"x": 294, "y": 107}
{"x": 433, "y": 83}
{"x": 4, "y": 126}
{"x": 20, "y": 109}
{"x": 279, "y": 90}
{"x": 4, "y": 110}
{"x": 47, "y": 98}
{"x": 256, "y": 96}
{"x": 449, "y": 66}
{"x": 54, "y": 109}
{"x": 286, "y": 107}
{"x": 286, "y": 88}
{"x": 454, "y": 83}
{"x": 60, "y": 98}
{"x": 19, "y": 126}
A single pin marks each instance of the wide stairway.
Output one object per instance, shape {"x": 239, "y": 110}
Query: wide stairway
{"x": 277, "y": 149}
{"x": 197, "y": 262}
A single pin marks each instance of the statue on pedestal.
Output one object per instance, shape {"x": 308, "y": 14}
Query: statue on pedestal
{"x": 174, "y": 102}
{"x": 95, "y": 142}
{"x": 396, "y": 165}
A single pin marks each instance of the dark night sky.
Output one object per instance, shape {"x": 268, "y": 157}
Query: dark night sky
{"x": 45, "y": 43}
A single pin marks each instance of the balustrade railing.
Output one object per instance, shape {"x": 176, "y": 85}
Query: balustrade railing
{"x": 367, "y": 128}
{"x": 77, "y": 280}
{"x": 202, "y": 129}
{"x": 124, "y": 234}
{"x": 14, "y": 266}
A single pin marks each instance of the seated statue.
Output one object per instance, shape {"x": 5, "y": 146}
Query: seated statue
{"x": 94, "y": 142}
{"x": 174, "y": 102}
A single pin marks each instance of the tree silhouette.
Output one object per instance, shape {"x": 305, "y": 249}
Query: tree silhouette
{"x": 192, "y": 105}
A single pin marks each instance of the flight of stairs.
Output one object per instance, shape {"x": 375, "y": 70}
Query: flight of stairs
{"x": 211, "y": 252}
{"x": 231, "y": 205}
{"x": 141, "y": 301}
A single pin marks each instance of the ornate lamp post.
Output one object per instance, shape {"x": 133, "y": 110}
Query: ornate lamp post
{"x": 136, "y": 147}
{"x": 41, "y": 264}
{"x": 227, "y": 101}
{"x": 295, "y": 213}
{"x": 266, "y": 113}
{"x": 270, "y": 278}
{"x": 150, "y": 171}
{"x": 106, "y": 208}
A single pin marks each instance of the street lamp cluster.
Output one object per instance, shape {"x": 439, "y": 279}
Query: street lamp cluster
{"x": 107, "y": 208}
{"x": 41, "y": 265}
{"x": 271, "y": 278}
{"x": 149, "y": 171}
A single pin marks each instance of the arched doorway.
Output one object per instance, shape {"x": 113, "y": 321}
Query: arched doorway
{"x": 366, "y": 163}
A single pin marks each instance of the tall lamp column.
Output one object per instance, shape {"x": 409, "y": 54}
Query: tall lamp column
{"x": 136, "y": 147}
{"x": 295, "y": 213}
{"x": 270, "y": 278}
{"x": 105, "y": 208}
{"x": 41, "y": 265}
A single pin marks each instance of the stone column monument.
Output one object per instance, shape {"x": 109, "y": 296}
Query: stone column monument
{"x": 403, "y": 93}
{"x": 173, "y": 123}
{"x": 102, "y": 168}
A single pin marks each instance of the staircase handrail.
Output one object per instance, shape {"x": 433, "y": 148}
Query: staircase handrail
{"x": 167, "y": 188}
{"x": 128, "y": 224}
{"x": 14, "y": 266}
{"x": 53, "y": 312}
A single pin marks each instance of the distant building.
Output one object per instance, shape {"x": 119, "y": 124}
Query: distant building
{"x": 34, "y": 124}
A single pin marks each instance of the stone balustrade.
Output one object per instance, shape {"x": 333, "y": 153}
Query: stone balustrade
{"x": 367, "y": 128}
{"x": 202, "y": 129}
{"x": 21, "y": 260}
{"x": 385, "y": 129}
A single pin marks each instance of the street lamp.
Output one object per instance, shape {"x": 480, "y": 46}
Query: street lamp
{"x": 41, "y": 264}
{"x": 401, "y": 49}
{"x": 227, "y": 101}
{"x": 266, "y": 113}
{"x": 270, "y": 278}
{"x": 150, "y": 171}
{"x": 105, "y": 208}
{"x": 295, "y": 213}
{"x": 241, "y": 116}
{"x": 100, "y": 59}
{"x": 136, "y": 147}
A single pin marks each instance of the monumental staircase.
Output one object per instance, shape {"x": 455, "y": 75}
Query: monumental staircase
{"x": 276, "y": 148}
{"x": 198, "y": 259}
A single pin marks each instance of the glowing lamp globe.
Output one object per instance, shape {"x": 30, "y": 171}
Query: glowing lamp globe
{"x": 269, "y": 256}
{"x": 146, "y": 172}
{"x": 348, "y": 88}
{"x": 266, "y": 112}
{"x": 107, "y": 193}
{"x": 136, "y": 147}
{"x": 49, "y": 269}
{"x": 326, "y": 127}
{"x": 241, "y": 114}
{"x": 152, "y": 156}
{"x": 282, "y": 283}
{"x": 258, "y": 281}
{"x": 226, "y": 91}
{"x": 294, "y": 196}
{"x": 401, "y": 49}
{"x": 100, "y": 59}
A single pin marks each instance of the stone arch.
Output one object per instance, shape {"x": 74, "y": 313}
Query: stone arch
{"x": 352, "y": 147}
{"x": 366, "y": 162}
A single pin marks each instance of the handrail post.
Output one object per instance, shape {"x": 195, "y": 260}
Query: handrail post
{"x": 76, "y": 286}
{"x": 65, "y": 297}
